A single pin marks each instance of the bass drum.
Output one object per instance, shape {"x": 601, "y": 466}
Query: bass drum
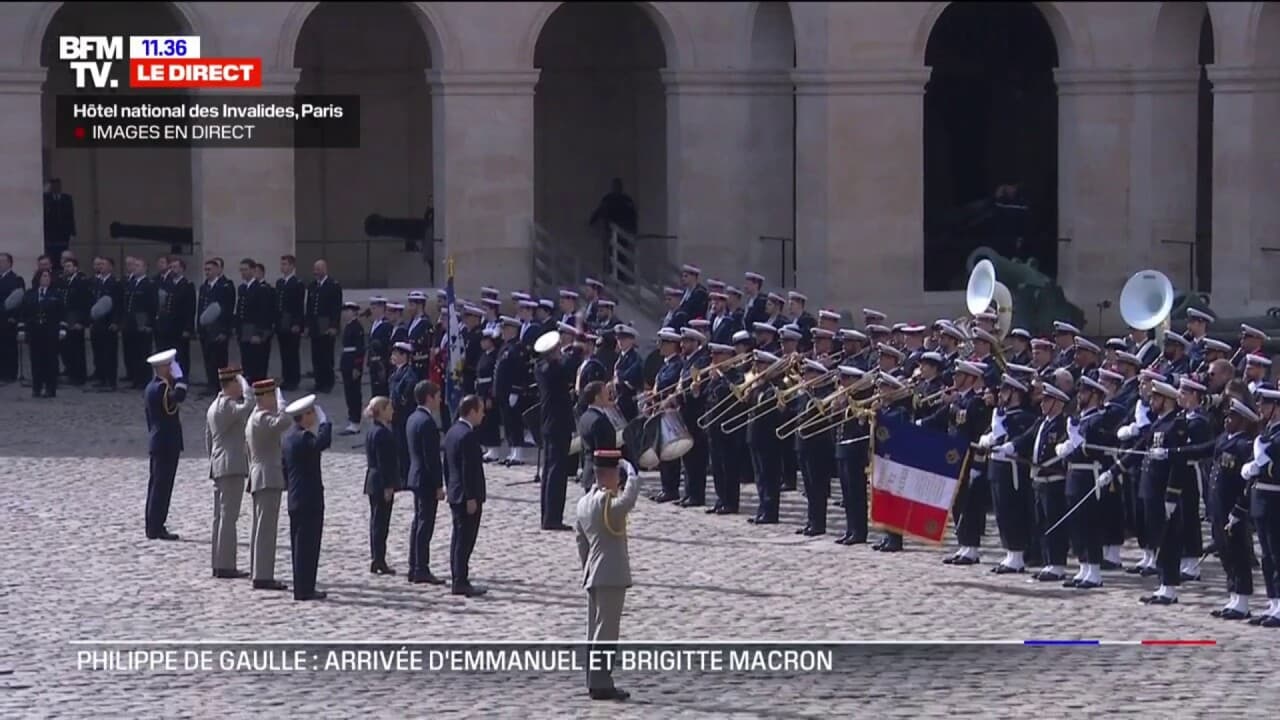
{"x": 619, "y": 425}
{"x": 641, "y": 447}
{"x": 674, "y": 439}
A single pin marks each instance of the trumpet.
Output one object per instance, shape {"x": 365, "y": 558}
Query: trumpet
{"x": 822, "y": 424}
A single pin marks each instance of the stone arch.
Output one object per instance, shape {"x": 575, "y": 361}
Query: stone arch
{"x": 1073, "y": 42}
{"x": 186, "y": 13}
{"x": 375, "y": 51}
{"x": 445, "y": 53}
{"x": 771, "y": 141}
{"x": 1265, "y": 37}
{"x": 677, "y": 40}
{"x": 1175, "y": 40}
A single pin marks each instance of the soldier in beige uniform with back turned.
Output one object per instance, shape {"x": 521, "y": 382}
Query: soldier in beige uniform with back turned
{"x": 606, "y": 567}
{"x": 224, "y": 439}
{"x": 267, "y": 425}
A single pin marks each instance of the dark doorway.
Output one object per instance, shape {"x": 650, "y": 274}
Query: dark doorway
{"x": 990, "y": 129}
{"x": 1204, "y": 162}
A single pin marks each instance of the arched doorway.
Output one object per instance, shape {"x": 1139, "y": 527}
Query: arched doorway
{"x": 990, "y": 124}
{"x": 379, "y": 51}
{"x": 133, "y": 186}
{"x": 600, "y": 114}
{"x": 771, "y": 139}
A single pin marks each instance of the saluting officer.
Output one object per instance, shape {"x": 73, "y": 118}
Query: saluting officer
{"x": 215, "y": 325}
{"x": 311, "y": 435}
{"x": 78, "y": 296}
{"x": 555, "y": 381}
{"x": 226, "y": 441}
{"x": 164, "y": 396}
{"x": 264, "y": 434}
{"x": 351, "y": 366}
{"x": 291, "y": 296}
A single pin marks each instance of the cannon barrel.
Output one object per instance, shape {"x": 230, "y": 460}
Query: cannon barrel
{"x": 177, "y": 238}
{"x": 1037, "y": 299}
{"x": 1009, "y": 272}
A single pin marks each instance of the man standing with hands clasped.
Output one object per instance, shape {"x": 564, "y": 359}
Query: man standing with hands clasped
{"x": 464, "y": 470}
{"x": 606, "y": 566}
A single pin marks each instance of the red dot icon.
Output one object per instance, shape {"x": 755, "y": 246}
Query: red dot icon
{"x": 79, "y": 133}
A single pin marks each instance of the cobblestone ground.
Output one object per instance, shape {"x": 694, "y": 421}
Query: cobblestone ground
{"x": 77, "y": 566}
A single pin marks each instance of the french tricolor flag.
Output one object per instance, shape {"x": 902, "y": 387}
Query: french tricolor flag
{"x": 915, "y": 475}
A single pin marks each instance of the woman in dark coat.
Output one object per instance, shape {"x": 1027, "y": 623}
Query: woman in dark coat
{"x": 381, "y": 480}
{"x": 43, "y": 312}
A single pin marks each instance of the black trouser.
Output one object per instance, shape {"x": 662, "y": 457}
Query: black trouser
{"x": 852, "y": 466}
{"x": 398, "y": 423}
{"x": 724, "y": 470}
{"x": 379, "y": 525}
{"x": 1235, "y": 547}
{"x": 164, "y": 467}
{"x": 465, "y": 530}
{"x": 1035, "y": 528}
{"x": 73, "y": 358}
{"x": 971, "y": 503}
{"x": 556, "y": 462}
{"x": 306, "y": 527}
{"x": 1135, "y": 518}
{"x": 9, "y": 351}
{"x": 669, "y": 476}
{"x": 1084, "y": 525}
{"x": 1167, "y": 532}
{"x": 1010, "y": 503}
{"x": 1264, "y": 508}
{"x": 1111, "y": 514}
{"x": 251, "y": 360}
{"x": 1051, "y": 505}
{"x": 818, "y": 460}
{"x": 106, "y": 355}
{"x": 44, "y": 361}
{"x": 290, "y": 359}
{"x": 768, "y": 469}
{"x": 137, "y": 346}
{"x": 322, "y": 361}
{"x": 695, "y": 469}
{"x": 1192, "y": 541}
{"x": 425, "y": 506}
{"x": 350, "y": 392}
{"x": 215, "y": 358}
{"x": 788, "y": 466}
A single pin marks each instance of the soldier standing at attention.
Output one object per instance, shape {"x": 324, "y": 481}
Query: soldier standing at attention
{"x": 226, "y": 442}
{"x": 164, "y": 396}
{"x": 43, "y": 328}
{"x": 426, "y": 479}
{"x": 324, "y": 305}
{"x": 311, "y": 435}
{"x": 606, "y": 566}
{"x": 291, "y": 296}
{"x": 10, "y": 283}
{"x": 351, "y": 366}
{"x": 267, "y": 425}
{"x": 139, "y": 317}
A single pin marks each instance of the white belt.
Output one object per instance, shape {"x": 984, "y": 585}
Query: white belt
{"x": 1044, "y": 480}
{"x": 484, "y": 379}
{"x": 1270, "y": 487}
{"x": 349, "y": 349}
{"x": 1013, "y": 464}
{"x": 1091, "y": 467}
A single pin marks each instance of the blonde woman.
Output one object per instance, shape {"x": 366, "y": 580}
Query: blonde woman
{"x": 381, "y": 480}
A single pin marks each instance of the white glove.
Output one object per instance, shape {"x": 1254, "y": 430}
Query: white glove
{"x": 920, "y": 423}
{"x": 1169, "y": 507}
{"x": 1158, "y": 453}
{"x": 177, "y": 371}
{"x": 1260, "y": 456}
{"x": 1005, "y": 450}
{"x": 279, "y": 400}
{"x": 62, "y": 334}
{"x": 1250, "y": 470}
{"x": 997, "y": 424}
{"x": 245, "y": 386}
{"x": 1142, "y": 413}
{"x": 320, "y": 416}
{"x": 1126, "y": 432}
{"x": 986, "y": 441}
{"x": 1104, "y": 479}
{"x": 512, "y": 399}
{"x": 1073, "y": 434}
{"x": 1231, "y": 522}
{"x": 1062, "y": 449}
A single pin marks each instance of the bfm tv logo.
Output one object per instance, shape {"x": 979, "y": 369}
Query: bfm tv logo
{"x": 154, "y": 62}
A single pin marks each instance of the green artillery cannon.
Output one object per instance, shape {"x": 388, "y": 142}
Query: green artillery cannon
{"x": 1037, "y": 299}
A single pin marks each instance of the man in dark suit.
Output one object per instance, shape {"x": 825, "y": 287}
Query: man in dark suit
{"x": 265, "y": 311}
{"x": 426, "y": 479}
{"x": 164, "y": 396}
{"x": 312, "y": 434}
{"x": 554, "y": 382}
{"x": 104, "y": 333}
{"x": 215, "y": 336}
{"x": 291, "y": 297}
{"x": 139, "y": 319}
{"x": 184, "y": 309}
{"x": 77, "y": 299}
{"x": 464, "y": 474}
{"x": 324, "y": 306}
{"x": 9, "y": 282}
{"x": 59, "y": 219}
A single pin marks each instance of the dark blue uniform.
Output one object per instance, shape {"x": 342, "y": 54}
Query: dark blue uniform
{"x": 1160, "y": 483}
{"x": 301, "y": 452}
{"x": 104, "y": 332}
{"x": 851, "y": 446}
{"x": 465, "y": 482}
{"x": 214, "y": 338}
{"x": 486, "y": 370}
{"x": 379, "y": 358}
{"x": 164, "y": 446}
{"x": 1083, "y": 467}
{"x": 402, "y": 382}
{"x": 817, "y": 460}
{"x": 723, "y": 327}
{"x": 324, "y": 307}
{"x": 1262, "y": 504}
{"x": 691, "y": 408}
{"x": 766, "y": 454}
{"x": 1048, "y": 481}
{"x": 628, "y": 372}
{"x": 351, "y": 367}
{"x": 382, "y": 474}
{"x": 426, "y": 480}
{"x": 968, "y": 417}
{"x": 1226, "y": 487}
{"x": 669, "y": 471}
{"x": 1011, "y": 490}
{"x": 729, "y": 456}
{"x": 555, "y": 380}
{"x": 1190, "y": 461}
{"x": 9, "y": 319}
{"x": 139, "y": 318}
{"x": 78, "y": 298}
{"x": 511, "y": 383}
{"x": 43, "y": 313}
{"x": 291, "y": 307}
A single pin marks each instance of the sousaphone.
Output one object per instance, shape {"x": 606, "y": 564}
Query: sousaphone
{"x": 984, "y": 289}
{"x": 1146, "y": 302}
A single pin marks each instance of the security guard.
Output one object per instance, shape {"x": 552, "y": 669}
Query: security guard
{"x": 601, "y": 526}
{"x": 311, "y": 435}
{"x": 164, "y": 396}
{"x": 351, "y": 365}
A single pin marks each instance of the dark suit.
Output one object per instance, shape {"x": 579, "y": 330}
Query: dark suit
{"x": 554, "y": 381}
{"x": 723, "y": 327}
{"x": 42, "y": 321}
{"x": 382, "y": 473}
{"x": 301, "y": 454}
{"x": 78, "y": 297}
{"x": 9, "y": 282}
{"x": 139, "y": 319}
{"x": 324, "y": 306}
{"x": 291, "y": 296}
{"x": 426, "y": 478}
{"x": 464, "y": 475}
{"x": 184, "y": 311}
{"x": 59, "y": 223}
{"x": 215, "y": 337}
{"x": 104, "y": 333}
{"x": 164, "y": 445}
{"x": 402, "y": 382}
{"x": 694, "y": 302}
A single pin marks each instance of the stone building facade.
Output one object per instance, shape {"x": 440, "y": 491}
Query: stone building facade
{"x": 727, "y": 122}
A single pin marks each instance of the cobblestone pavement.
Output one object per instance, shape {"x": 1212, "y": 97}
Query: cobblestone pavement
{"x": 77, "y": 566}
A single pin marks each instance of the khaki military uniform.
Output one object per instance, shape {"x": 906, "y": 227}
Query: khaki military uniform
{"x": 224, "y": 439}
{"x": 266, "y": 482}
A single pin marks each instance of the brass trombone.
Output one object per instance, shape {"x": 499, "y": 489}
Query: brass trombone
{"x": 794, "y": 386}
{"x": 739, "y": 392}
{"x": 696, "y": 377}
{"x": 822, "y": 424}
{"x": 821, "y": 406}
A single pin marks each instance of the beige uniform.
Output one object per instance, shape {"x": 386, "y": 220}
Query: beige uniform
{"x": 601, "y": 526}
{"x": 266, "y": 482}
{"x": 228, "y": 468}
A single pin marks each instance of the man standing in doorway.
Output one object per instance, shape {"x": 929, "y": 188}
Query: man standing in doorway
{"x": 59, "y": 219}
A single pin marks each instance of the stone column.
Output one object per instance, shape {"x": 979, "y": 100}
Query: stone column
{"x": 1162, "y": 172}
{"x": 483, "y": 139}
{"x": 22, "y": 182}
{"x": 1095, "y": 109}
{"x": 708, "y": 203}
{"x": 244, "y": 198}
{"x": 860, "y": 186}
{"x": 1246, "y": 111}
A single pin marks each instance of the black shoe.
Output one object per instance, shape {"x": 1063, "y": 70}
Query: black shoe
{"x": 230, "y": 574}
{"x": 1232, "y": 614}
{"x": 1133, "y": 570}
{"x": 470, "y": 591}
{"x": 663, "y": 498}
{"x": 1044, "y": 576}
{"x": 763, "y": 521}
{"x": 1108, "y": 565}
{"x": 381, "y": 568}
{"x": 713, "y": 509}
{"x": 1148, "y": 572}
{"x": 803, "y": 531}
{"x": 1270, "y": 621}
{"x": 1071, "y": 583}
{"x": 965, "y": 560}
{"x": 1159, "y": 600}
{"x": 1088, "y": 585}
{"x": 856, "y": 540}
{"x": 843, "y": 539}
{"x": 425, "y": 579}
{"x": 269, "y": 585}
{"x": 693, "y": 503}
{"x": 727, "y": 511}
{"x": 166, "y": 535}
{"x": 317, "y": 595}
{"x": 560, "y": 526}
{"x": 609, "y": 694}
{"x": 1188, "y": 577}
{"x": 813, "y": 532}
{"x": 1257, "y": 619}
{"x": 880, "y": 544}
{"x": 1003, "y": 569}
